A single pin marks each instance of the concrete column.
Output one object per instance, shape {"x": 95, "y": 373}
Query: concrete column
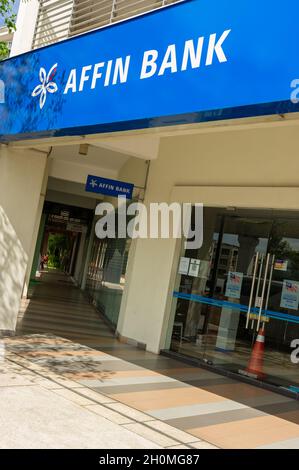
{"x": 150, "y": 275}
{"x": 21, "y": 179}
{"x": 36, "y": 229}
{"x": 147, "y": 298}
{"x": 25, "y": 27}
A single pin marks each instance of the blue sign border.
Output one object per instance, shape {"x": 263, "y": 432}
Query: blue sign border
{"x": 266, "y": 109}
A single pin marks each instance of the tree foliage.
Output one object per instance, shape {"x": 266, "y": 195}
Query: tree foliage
{"x": 8, "y": 17}
{"x": 4, "y": 50}
{"x": 7, "y": 14}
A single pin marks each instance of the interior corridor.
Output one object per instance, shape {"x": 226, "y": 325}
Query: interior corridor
{"x": 56, "y": 306}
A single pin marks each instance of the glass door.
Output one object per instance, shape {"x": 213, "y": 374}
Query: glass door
{"x": 212, "y": 300}
{"x": 237, "y": 298}
{"x": 281, "y": 310}
{"x": 239, "y": 287}
{"x": 194, "y": 289}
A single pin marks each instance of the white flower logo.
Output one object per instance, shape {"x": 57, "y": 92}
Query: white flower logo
{"x": 46, "y": 85}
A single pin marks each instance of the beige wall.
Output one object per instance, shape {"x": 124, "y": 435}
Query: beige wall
{"x": 21, "y": 178}
{"x": 134, "y": 171}
{"x": 249, "y": 168}
{"x": 266, "y": 156}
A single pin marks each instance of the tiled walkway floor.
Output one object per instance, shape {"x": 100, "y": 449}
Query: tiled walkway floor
{"x": 222, "y": 411}
{"x": 39, "y": 358}
{"x": 41, "y": 412}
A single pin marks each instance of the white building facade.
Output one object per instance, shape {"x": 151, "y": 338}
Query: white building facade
{"x": 244, "y": 170}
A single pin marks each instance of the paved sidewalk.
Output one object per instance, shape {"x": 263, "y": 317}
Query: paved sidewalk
{"x": 157, "y": 406}
{"x": 38, "y": 414}
{"x": 45, "y": 410}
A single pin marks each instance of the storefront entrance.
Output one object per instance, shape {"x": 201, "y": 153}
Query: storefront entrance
{"x": 242, "y": 286}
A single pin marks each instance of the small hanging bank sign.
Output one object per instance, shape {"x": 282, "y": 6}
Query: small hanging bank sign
{"x": 109, "y": 187}
{"x": 197, "y": 60}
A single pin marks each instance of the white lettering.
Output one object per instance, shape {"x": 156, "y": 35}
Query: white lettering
{"x": 116, "y": 71}
{"x": 105, "y": 226}
{"x": 96, "y": 74}
{"x": 216, "y": 47}
{"x": 122, "y": 217}
{"x": 165, "y": 211}
{"x": 169, "y": 61}
{"x": 149, "y": 61}
{"x": 137, "y": 227}
{"x": 71, "y": 82}
{"x": 121, "y": 70}
{"x": 108, "y": 73}
{"x": 190, "y": 54}
{"x": 194, "y": 235}
{"x": 84, "y": 77}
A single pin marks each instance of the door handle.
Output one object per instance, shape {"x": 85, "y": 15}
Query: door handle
{"x": 252, "y": 288}
{"x": 263, "y": 292}
{"x": 257, "y": 298}
{"x": 269, "y": 283}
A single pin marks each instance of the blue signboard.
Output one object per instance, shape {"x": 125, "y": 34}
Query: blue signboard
{"x": 198, "y": 60}
{"x": 96, "y": 184}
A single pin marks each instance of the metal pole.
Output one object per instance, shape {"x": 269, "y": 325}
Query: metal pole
{"x": 269, "y": 285}
{"x": 258, "y": 286}
{"x": 252, "y": 288}
{"x": 263, "y": 292}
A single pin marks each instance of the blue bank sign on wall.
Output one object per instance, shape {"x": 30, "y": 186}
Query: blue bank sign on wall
{"x": 115, "y": 188}
{"x": 194, "y": 61}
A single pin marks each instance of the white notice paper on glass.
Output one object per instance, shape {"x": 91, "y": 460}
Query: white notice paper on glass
{"x": 194, "y": 267}
{"x": 234, "y": 285}
{"x": 290, "y": 295}
{"x": 184, "y": 265}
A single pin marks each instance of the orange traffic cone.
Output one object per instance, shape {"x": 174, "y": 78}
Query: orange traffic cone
{"x": 255, "y": 366}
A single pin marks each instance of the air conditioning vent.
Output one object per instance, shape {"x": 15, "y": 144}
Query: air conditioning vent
{"x": 59, "y": 19}
{"x": 52, "y": 22}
